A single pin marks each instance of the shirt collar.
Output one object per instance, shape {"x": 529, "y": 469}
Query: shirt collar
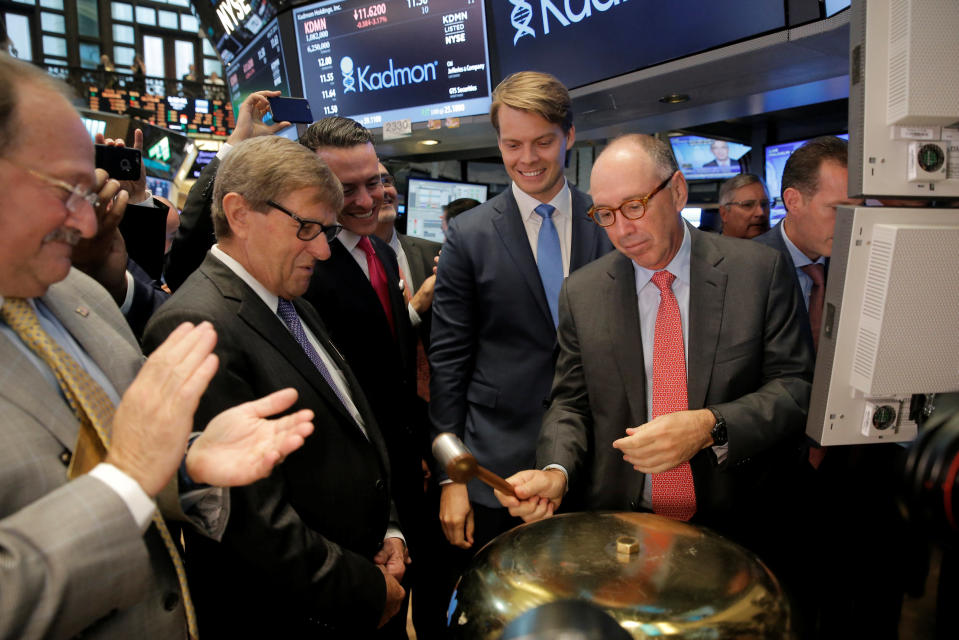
{"x": 272, "y": 301}
{"x": 527, "y": 203}
{"x": 395, "y": 242}
{"x": 348, "y": 239}
{"x": 799, "y": 258}
{"x": 678, "y": 266}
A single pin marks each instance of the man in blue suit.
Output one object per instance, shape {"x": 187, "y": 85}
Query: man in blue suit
{"x": 493, "y": 340}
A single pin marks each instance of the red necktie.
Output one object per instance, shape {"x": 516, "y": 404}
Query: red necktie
{"x": 378, "y": 279}
{"x": 673, "y": 492}
{"x": 816, "y": 297}
{"x": 422, "y": 363}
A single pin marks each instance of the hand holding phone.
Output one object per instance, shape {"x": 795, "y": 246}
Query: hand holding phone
{"x": 122, "y": 163}
{"x": 295, "y": 110}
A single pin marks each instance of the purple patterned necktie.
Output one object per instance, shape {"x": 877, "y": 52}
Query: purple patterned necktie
{"x": 287, "y": 313}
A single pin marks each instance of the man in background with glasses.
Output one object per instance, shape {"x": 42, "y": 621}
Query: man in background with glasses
{"x": 683, "y": 381}
{"x": 301, "y": 555}
{"x": 744, "y": 206}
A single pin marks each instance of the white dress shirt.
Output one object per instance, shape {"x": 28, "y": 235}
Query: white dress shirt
{"x": 272, "y": 302}
{"x": 800, "y": 260}
{"x": 562, "y": 219}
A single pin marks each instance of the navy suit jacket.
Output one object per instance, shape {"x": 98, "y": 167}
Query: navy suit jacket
{"x": 773, "y": 238}
{"x": 493, "y": 343}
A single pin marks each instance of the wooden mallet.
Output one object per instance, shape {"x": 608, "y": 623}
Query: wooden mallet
{"x": 461, "y": 466}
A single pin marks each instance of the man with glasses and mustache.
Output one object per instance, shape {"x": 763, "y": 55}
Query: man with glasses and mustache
{"x": 682, "y": 380}
{"x": 309, "y": 551}
{"x": 91, "y": 433}
{"x": 744, "y": 206}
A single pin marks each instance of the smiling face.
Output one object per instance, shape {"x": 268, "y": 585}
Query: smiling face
{"x": 388, "y": 211}
{"x": 267, "y": 244}
{"x": 358, "y": 170}
{"x": 35, "y": 226}
{"x": 534, "y": 151}
{"x": 626, "y": 172}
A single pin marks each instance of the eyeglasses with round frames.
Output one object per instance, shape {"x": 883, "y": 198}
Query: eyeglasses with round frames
{"x": 77, "y": 195}
{"x": 309, "y": 229}
{"x": 749, "y": 204}
{"x": 632, "y": 209}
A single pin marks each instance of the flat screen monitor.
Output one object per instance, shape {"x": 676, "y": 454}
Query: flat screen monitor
{"x": 707, "y": 158}
{"x": 585, "y": 42}
{"x": 394, "y": 60}
{"x": 189, "y": 115}
{"x": 206, "y": 150}
{"x": 259, "y": 66}
{"x": 164, "y": 151}
{"x": 159, "y": 186}
{"x": 425, "y": 200}
{"x": 776, "y": 157}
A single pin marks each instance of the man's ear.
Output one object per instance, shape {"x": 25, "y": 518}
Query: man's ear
{"x": 571, "y": 137}
{"x": 237, "y": 213}
{"x": 680, "y": 191}
{"x": 723, "y": 212}
{"x": 793, "y": 199}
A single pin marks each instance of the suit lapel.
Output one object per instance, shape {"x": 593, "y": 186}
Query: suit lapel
{"x": 508, "y": 223}
{"x": 707, "y": 293}
{"x": 625, "y": 335}
{"x": 24, "y": 386}
{"x": 414, "y": 258}
{"x": 254, "y": 313}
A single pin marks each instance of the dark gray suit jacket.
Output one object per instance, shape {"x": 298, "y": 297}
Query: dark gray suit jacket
{"x": 746, "y": 358}
{"x": 299, "y": 543}
{"x": 493, "y": 343}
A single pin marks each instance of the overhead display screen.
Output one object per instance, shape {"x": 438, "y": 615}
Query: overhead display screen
{"x": 394, "y": 60}
{"x": 259, "y": 67}
{"x": 584, "y": 41}
{"x": 189, "y": 115}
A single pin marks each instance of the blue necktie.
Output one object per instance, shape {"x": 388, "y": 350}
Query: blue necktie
{"x": 287, "y": 313}
{"x": 549, "y": 259}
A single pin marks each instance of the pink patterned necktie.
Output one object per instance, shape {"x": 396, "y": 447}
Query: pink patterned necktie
{"x": 378, "y": 279}
{"x": 673, "y": 492}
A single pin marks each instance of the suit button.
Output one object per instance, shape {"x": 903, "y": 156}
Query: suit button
{"x": 380, "y": 485}
{"x": 65, "y": 458}
{"x": 171, "y": 600}
{"x": 634, "y": 504}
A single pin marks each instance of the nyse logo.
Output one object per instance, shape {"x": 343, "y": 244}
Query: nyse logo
{"x": 521, "y": 15}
